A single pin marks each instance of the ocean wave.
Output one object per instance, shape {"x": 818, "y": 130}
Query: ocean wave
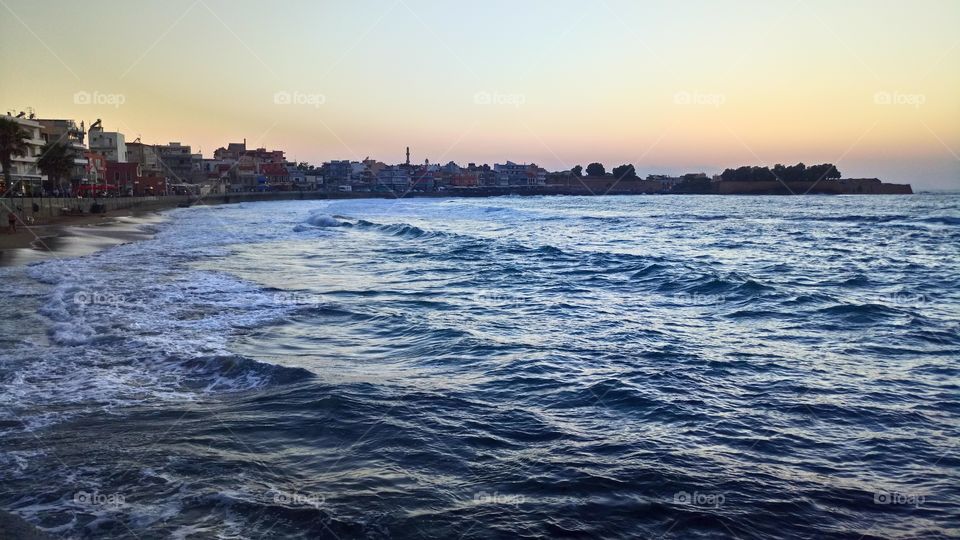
{"x": 941, "y": 220}
{"x": 400, "y": 230}
{"x": 467, "y": 371}
{"x": 860, "y": 313}
{"x": 319, "y": 219}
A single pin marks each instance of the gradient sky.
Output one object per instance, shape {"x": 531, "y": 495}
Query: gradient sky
{"x": 670, "y": 86}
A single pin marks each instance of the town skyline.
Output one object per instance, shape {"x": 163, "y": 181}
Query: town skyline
{"x": 778, "y": 83}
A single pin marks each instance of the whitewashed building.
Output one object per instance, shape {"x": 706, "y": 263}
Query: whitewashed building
{"x": 25, "y": 173}
{"x": 110, "y": 144}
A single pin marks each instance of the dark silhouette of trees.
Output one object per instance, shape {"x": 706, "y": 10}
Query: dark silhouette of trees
{"x": 826, "y": 171}
{"x": 786, "y": 174}
{"x": 596, "y": 169}
{"x": 693, "y": 184}
{"x": 56, "y": 161}
{"x": 577, "y": 171}
{"x": 625, "y": 172}
{"x": 13, "y": 142}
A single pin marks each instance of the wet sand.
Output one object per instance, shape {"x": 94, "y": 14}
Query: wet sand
{"x": 72, "y": 236}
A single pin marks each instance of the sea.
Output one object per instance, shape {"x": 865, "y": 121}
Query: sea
{"x": 512, "y": 367}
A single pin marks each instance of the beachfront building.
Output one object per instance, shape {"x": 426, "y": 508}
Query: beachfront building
{"x": 304, "y": 178}
{"x": 149, "y": 185}
{"x": 178, "y": 162}
{"x": 232, "y": 152}
{"x": 25, "y": 174}
{"x": 665, "y": 180}
{"x": 393, "y": 179}
{"x": 68, "y": 133}
{"x": 337, "y": 173}
{"x": 246, "y": 175}
{"x": 146, "y": 155}
{"x": 273, "y": 177}
{"x": 262, "y": 155}
{"x": 466, "y": 179}
{"x": 216, "y": 174}
{"x": 111, "y": 144}
{"x": 425, "y": 178}
{"x": 95, "y": 171}
{"x": 312, "y": 181}
{"x": 513, "y": 174}
{"x": 242, "y": 169}
{"x": 121, "y": 179}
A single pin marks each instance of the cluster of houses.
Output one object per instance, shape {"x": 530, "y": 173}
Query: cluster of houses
{"x": 106, "y": 164}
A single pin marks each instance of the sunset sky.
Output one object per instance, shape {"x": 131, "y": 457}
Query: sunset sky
{"x": 873, "y": 86}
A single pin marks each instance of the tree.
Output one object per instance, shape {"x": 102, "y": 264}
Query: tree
{"x": 13, "y": 142}
{"x": 826, "y": 171}
{"x": 748, "y": 174}
{"x": 577, "y": 171}
{"x": 596, "y": 169}
{"x": 56, "y": 161}
{"x": 625, "y": 172}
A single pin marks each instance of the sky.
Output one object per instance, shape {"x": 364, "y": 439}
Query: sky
{"x": 668, "y": 86}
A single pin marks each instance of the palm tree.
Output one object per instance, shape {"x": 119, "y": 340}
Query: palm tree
{"x": 13, "y": 142}
{"x": 56, "y": 161}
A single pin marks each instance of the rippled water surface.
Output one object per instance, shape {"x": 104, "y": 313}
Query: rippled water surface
{"x": 619, "y": 367}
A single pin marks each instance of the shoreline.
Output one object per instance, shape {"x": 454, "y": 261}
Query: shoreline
{"x": 36, "y": 236}
{"x": 73, "y": 236}
{"x": 39, "y": 241}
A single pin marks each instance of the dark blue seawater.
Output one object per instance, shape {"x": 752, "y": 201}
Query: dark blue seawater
{"x": 618, "y": 367}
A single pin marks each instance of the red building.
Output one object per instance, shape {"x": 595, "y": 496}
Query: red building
{"x": 277, "y": 176}
{"x": 150, "y": 185}
{"x": 122, "y": 178}
{"x": 465, "y": 179}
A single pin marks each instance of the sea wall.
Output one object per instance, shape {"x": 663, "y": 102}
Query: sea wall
{"x": 847, "y": 186}
{"x": 49, "y": 207}
{"x": 41, "y": 208}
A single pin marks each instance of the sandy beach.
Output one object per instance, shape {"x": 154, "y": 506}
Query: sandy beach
{"x": 74, "y": 235}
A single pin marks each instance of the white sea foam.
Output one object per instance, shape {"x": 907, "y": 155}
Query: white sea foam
{"x": 319, "y": 218}
{"x": 132, "y": 324}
